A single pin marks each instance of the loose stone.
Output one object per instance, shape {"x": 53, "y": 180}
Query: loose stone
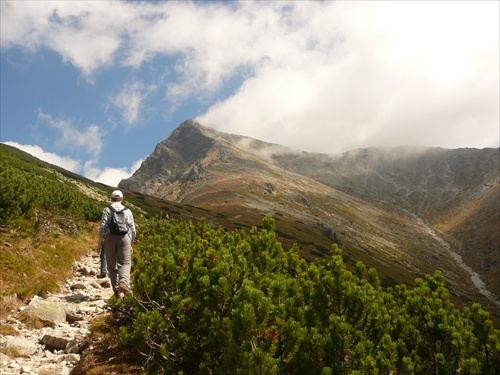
{"x": 56, "y": 348}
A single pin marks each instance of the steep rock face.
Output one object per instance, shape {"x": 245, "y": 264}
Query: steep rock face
{"x": 405, "y": 208}
{"x": 170, "y": 160}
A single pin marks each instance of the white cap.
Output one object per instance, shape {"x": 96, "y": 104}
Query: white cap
{"x": 117, "y": 194}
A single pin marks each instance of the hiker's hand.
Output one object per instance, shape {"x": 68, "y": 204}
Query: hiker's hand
{"x": 100, "y": 244}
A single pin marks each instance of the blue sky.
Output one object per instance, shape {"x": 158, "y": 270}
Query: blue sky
{"x": 94, "y": 86}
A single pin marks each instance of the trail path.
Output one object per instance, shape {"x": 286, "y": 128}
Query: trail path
{"x": 56, "y": 351}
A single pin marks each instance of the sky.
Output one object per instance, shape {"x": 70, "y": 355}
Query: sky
{"x": 94, "y": 86}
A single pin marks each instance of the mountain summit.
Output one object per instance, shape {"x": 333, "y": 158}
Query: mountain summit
{"x": 406, "y": 211}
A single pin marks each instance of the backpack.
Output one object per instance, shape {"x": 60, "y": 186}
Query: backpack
{"x": 117, "y": 223}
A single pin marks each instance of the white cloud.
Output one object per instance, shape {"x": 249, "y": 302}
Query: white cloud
{"x": 90, "y": 139}
{"x": 130, "y": 100}
{"x": 49, "y": 157}
{"x": 87, "y": 37}
{"x": 317, "y": 75}
{"x": 109, "y": 176}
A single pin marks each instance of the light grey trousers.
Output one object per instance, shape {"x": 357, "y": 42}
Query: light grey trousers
{"x": 118, "y": 256}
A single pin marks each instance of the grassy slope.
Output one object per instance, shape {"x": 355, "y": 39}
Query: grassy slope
{"x": 39, "y": 241}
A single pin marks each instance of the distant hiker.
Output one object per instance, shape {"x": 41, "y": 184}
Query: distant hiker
{"x": 117, "y": 232}
{"x": 167, "y": 217}
{"x": 104, "y": 264}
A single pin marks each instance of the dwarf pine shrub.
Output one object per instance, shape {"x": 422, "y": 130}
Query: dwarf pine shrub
{"x": 208, "y": 301}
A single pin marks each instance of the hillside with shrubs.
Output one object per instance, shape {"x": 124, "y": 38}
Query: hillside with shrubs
{"x": 212, "y": 300}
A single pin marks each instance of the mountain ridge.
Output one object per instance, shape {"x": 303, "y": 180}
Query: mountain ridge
{"x": 415, "y": 212}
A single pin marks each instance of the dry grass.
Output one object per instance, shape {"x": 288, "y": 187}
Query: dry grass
{"x": 37, "y": 263}
{"x": 9, "y": 305}
{"x": 8, "y": 330}
{"x": 31, "y": 321}
{"x": 10, "y": 352}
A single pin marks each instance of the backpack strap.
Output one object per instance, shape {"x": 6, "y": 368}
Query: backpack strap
{"x": 113, "y": 209}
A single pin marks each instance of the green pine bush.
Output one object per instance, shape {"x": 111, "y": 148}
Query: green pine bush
{"x": 209, "y": 301}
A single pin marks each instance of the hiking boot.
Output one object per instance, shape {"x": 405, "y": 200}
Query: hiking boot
{"x": 101, "y": 276}
{"x": 124, "y": 288}
{"x": 119, "y": 294}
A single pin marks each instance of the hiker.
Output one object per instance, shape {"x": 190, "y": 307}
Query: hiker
{"x": 104, "y": 264}
{"x": 118, "y": 244}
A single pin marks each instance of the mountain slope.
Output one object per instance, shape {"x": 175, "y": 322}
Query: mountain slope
{"x": 395, "y": 213}
{"x": 455, "y": 191}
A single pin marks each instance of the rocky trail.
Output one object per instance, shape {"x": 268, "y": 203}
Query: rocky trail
{"x": 56, "y": 349}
